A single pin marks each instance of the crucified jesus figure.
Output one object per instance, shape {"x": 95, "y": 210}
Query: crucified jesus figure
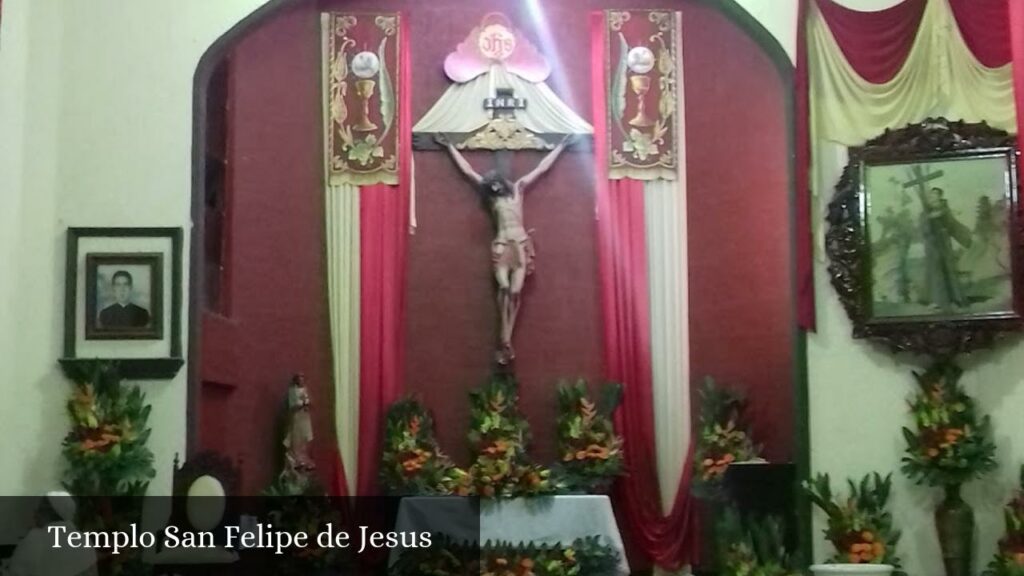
{"x": 512, "y": 251}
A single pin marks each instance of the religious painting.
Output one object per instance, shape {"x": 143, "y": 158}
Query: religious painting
{"x": 642, "y": 79}
{"x": 123, "y": 298}
{"x": 938, "y": 237}
{"x": 361, "y": 80}
{"x": 924, "y": 238}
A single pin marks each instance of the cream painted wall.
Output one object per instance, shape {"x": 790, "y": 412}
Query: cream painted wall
{"x": 96, "y": 119}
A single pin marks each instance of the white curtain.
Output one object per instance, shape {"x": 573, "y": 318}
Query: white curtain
{"x": 342, "y": 205}
{"x": 668, "y": 287}
{"x": 665, "y": 215}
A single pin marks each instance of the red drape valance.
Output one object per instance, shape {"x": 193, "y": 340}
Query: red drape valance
{"x": 876, "y": 44}
{"x": 985, "y": 27}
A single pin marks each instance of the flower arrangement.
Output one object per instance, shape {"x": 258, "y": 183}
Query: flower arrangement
{"x": 860, "y": 527}
{"x": 584, "y": 557}
{"x": 723, "y": 437}
{"x": 591, "y": 451}
{"x": 106, "y": 449}
{"x": 752, "y": 548}
{"x": 1009, "y": 560}
{"x": 498, "y": 438}
{"x": 951, "y": 444}
{"x": 412, "y": 461}
{"x": 309, "y": 513}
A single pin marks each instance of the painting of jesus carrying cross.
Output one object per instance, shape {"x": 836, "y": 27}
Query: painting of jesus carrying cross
{"x": 938, "y": 237}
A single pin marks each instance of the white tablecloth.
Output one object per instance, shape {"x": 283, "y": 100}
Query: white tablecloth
{"x": 551, "y": 520}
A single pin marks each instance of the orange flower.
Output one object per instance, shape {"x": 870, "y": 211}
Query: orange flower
{"x": 878, "y": 549}
{"x": 568, "y": 457}
{"x": 1019, "y": 558}
{"x": 867, "y": 536}
{"x": 933, "y": 452}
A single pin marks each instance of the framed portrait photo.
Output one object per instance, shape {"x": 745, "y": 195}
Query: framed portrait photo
{"x": 123, "y": 299}
{"x": 124, "y": 296}
{"x": 925, "y": 238}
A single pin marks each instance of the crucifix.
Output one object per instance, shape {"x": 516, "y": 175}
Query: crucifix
{"x": 512, "y": 251}
{"x": 942, "y": 287}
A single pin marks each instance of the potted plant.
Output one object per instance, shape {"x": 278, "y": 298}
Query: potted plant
{"x": 1009, "y": 559}
{"x": 951, "y": 445}
{"x": 859, "y": 527}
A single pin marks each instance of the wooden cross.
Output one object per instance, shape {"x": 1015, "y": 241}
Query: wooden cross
{"x": 920, "y": 179}
{"x": 504, "y": 105}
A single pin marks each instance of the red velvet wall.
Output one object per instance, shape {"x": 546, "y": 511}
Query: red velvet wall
{"x": 742, "y": 329}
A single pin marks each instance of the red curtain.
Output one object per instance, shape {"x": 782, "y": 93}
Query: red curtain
{"x": 622, "y": 252}
{"x": 876, "y": 44}
{"x": 984, "y": 24}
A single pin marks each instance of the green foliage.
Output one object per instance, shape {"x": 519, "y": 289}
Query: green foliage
{"x": 952, "y": 444}
{"x": 412, "y": 461}
{"x": 498, "y": 439}
{"x": 859, "y": 526}
{"x": 105, "y": 449}
{"x": 1009, "y": 559}
{"x": 308, "y": 513}
{"x": 752, "y": 546}
{"x": 584, "y": 557}
{"x": 723, "y": 437}
{"x": 591, "y": 451}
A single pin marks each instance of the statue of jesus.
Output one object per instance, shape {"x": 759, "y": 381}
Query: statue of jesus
{"x": 512, "y": 251}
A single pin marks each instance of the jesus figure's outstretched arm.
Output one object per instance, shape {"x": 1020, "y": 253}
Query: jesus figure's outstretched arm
{"x": 544, "y": 165}
{"x": 460, "y": 161}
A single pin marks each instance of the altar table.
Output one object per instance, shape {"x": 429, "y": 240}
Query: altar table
{"x": 548, "y": 520}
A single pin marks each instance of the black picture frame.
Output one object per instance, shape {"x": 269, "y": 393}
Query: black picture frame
{"x": 158, "y": 368}
{"x": 154, "y": 327}
{"x": 939, "y": 327}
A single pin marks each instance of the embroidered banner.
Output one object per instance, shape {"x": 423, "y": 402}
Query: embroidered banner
{"x": 360, "y": 100}
{"x": 641, "y": 68}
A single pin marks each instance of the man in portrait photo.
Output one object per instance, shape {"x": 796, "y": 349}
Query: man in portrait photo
{"x": 123, "y": 314}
